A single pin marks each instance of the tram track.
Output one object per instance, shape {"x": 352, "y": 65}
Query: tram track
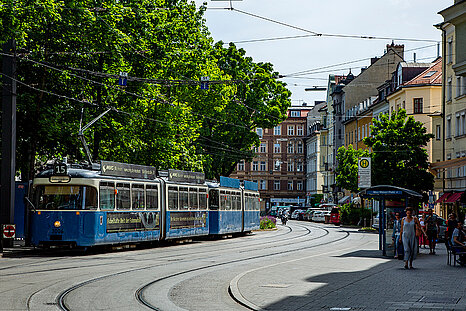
{"x": 60, "y": 301}
{"x": 139, "y": 294}
{"x": 167, "y": 256}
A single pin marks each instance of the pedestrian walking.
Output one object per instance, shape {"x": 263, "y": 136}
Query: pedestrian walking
{"x": 409, "y": 235}
{"x": 432, "y": 229}
{"x": 422, "y": 239}
{"x": 396, "y": 235}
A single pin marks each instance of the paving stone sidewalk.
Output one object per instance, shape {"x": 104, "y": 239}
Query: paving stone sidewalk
{"x": 358, "y": 280}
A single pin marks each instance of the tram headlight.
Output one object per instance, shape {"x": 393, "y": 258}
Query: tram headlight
{"x": 57, "y": 224}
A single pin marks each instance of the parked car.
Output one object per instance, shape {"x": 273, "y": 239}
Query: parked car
{"x": 297, "y": 214}
{"x": 327, "y": 217}
{"x": 308, "y": 214}
{"x": 335, "y": 215}
{"x": 318, "y": 216}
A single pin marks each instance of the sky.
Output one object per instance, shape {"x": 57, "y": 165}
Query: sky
{"x": 389, "y": 19}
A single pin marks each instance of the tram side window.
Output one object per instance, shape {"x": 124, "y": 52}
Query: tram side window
{"x": 203, "y": 199}
{"x": 172, "y": 198}
{"x": 228, "y": 201}
{"x": 193, "y": 203}
{"x": 152, "y": 197}
{"x": 137, "y": 196}
{"x": 258, "y": 204}
{"x": 107, "y": 195}
{"x": 213, "y": 199}
{"x": 238, "y": 201}
{"x": 123, "y": 196}
{"x": 184, "y": 199}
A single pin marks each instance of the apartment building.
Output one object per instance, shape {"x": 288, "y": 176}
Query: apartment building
{"x": 279, "y": 164}
{"x": 451, "y": 124}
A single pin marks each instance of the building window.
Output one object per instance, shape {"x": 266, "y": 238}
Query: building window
{"x": 277, "y": 130}
{"x": 259, "y": 132}
{"x": 295, "y": 113}
{"x": 449, "y": 89}
{"x": 462, "y": 123}
{"x": 417, "y": 105}
{"x": 458, "y": 87}
{"x": 300, "y": 147}
{"x": 448, "y": 126}
{"x": 300, "y": 130}
{"x": 359, "y": 133}
{"x": 262, "y": 166}
{"x": 263, "y": 148}
{"x": 255, "y": 165}
{"x": 458, "y": 124}
{"x": 290, "y": 148}
{"x": 263, "y": 185}
{"x": 290, "y": 130}
{"x": 299, "y": 166}
{"x": 241, "y": 165}
{"x": 450, "y": 50}
{"x": 276, "y": 148}
{"x": 290, "y": 185}
{"x": 438, "y": 134}
{"x": 276, "y": 185}
{"x": 299, "y": 185}
{"x": 290, "y": 166}
{"x": 277, "y": 165}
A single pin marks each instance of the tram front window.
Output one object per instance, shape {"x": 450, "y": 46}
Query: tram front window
{"x": 66, "y": 197}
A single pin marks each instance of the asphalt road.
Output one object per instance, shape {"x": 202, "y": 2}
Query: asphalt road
{"x": 202, "y": 275}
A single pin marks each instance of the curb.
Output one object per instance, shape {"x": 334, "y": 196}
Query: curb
{"x": 234, "y": 292}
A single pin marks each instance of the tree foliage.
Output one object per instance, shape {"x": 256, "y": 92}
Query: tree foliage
{"x": 347, "y": 170}
{"x": 70, "y": 55}
{"x": 399, "y": 157}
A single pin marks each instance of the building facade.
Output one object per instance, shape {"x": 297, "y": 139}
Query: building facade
{"x": 279, "y": 164}
{"x": 452, "y": 168}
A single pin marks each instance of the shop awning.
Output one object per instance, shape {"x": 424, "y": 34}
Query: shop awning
{"x": 443, "y": 197}
{"x": 343, "y": 200}
{"x": 454, "y": 197}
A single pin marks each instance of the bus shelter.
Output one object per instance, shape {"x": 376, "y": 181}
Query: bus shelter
{"x": 387, "y": 196}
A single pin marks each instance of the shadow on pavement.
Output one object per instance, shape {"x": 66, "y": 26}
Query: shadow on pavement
{"x": 381, "y": 286}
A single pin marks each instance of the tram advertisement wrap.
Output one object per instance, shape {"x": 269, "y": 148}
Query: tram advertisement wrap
{"x": 132, "y": 221}
{"x": 181, "y": 220}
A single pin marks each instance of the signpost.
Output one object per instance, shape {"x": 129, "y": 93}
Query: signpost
{"x": 9, "y": 231}
{"x": 364, "y": 172}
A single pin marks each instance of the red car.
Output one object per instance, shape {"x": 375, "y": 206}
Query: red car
{"x": 335, "y": 216}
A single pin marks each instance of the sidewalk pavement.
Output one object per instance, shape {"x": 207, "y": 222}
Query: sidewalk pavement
{"x": 355, "y": 280}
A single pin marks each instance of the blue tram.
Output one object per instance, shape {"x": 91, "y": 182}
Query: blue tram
{"x": 115, "y": 203}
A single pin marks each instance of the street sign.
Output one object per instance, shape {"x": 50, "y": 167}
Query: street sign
{"x": 9, "y": 231}
{"x": 364, "y": 172}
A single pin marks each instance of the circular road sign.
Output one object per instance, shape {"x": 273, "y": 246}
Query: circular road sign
{"x": 9, "y": 231}
{"x": 364, "y": 163}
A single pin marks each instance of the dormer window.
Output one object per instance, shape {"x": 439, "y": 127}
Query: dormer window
{"x": 295, "y": 113}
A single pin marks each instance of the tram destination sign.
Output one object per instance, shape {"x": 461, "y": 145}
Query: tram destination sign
{"x": 128, "y": 170}
{"x": 185, "y": 176}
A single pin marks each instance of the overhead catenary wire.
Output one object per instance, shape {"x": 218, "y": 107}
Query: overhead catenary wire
{"x": 319, "y": 34}
{"x": 114, "y": 109}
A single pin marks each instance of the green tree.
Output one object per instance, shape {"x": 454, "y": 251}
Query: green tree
{"x": 347, "y": 170}
{"x": 258, "y": 100}
{"x": 398, "y": 154}
{"x": 71, "y": 53}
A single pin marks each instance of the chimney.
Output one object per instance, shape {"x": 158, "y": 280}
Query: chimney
{"x": 304, "y": 104}
{"x": 414, "y": 56}
{"x": 374, "y": 59}
{"x": 398, "y": 48}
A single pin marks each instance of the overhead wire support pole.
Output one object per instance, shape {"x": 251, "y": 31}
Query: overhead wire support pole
{"x": 8, "y": 170}
{"x": 81, "y": 132}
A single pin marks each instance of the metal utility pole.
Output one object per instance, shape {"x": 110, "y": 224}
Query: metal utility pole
{"x": 7, "y": 190}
